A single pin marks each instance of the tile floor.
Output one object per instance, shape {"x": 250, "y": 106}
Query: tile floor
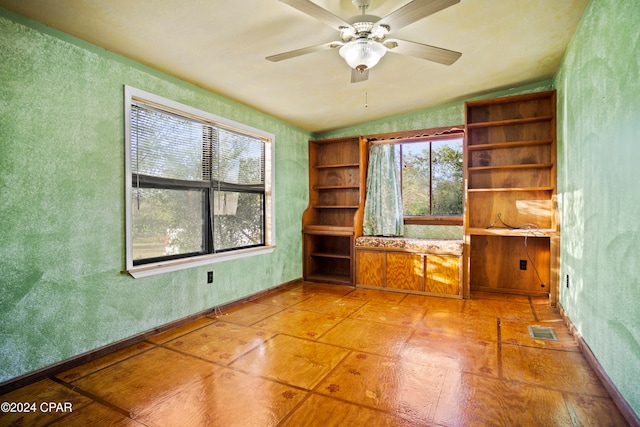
{"x": 324, "y": 355}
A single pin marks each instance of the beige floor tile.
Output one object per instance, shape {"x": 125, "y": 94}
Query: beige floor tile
{"x": 220, "y": 342}
{"x": 505, "y": 310}
{"x": 295, "y": 361}
{"x": 151, "y": 379}
{"x": 460, "y": 354}
{"x": 108, "y": 360}
{"x": 473, "y": 400}
{"x": 501, "y": 297}
{"x": 25, "y": 404}
{"x": 450, "y": 305}
{"x": 321, "y": 288}
{"x": 226, "y": 398}
{"x": 518, "y": 333}
{"x": 540, "y": 301}
{"x": 299, "y": 323}
{"x": 455, "y": 325}
{"x": 249, "y": 313}
{"x": 392, "y": 314}
{"x": 360, "y": 335}
{"x": 96, "y": 414}
{"x": 181, "y": 330}
{"x": 559, "y": 370}
{"x": 594, "y": 411}
{"x": 409, "y": 390}
{"x": 331, "y": 304}
{"x": 285, "y": 298}
{"x": 323, "y": 411}
{"x": 377, "y": 296}
{"x": 546, "y": 313}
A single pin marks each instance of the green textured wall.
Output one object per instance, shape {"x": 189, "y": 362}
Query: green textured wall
{"x": 598, "y": 155}
{"x": 62, "y": 203}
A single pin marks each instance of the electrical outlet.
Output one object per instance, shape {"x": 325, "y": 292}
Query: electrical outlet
{"x": 523, "y": 264}
{"x": 209, "y": 276}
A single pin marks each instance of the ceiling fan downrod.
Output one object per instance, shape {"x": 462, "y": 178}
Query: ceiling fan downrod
{"x": 363, "y": 5}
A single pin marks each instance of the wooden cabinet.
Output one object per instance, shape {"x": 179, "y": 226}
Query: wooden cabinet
{"x": 405, "y": 271}
{"x": 510, "y": 178}
{"x": 337, "y": 169}
{"x": 370, "y": 267}
{"x": 409, "y": 271}
{"x": 443, "y": 273}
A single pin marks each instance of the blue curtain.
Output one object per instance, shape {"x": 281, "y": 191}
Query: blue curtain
{"x": 383, "y": 205}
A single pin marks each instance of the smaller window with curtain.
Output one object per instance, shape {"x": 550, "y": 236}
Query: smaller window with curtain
{"x": 414, "y": 181}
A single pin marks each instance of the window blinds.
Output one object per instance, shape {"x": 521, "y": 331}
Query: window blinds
{"x": 177, "y": 149}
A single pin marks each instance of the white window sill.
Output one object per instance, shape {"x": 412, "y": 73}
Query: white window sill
{"x": 181, "y": 264}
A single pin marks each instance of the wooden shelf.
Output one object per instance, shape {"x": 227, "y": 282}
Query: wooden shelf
{"x": 520, "y": 189}
{"x": 506, "y": 145}
{"x": 330, "y": 278}
{"x": 335, "y": 207}
{"x": 517, "y": 232}
{"x": 330, "y": 255}
{"x": 336, "y": 187}
{"x": 329, "y": 230}
{"x": 521, "y": 166}
{"x": 338, "y": 166}
{"x": 510, "y": 122}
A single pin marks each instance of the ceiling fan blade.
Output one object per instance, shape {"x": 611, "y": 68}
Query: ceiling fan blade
{"x": 414, "y": 11}
{"x": 315, "y": 11}
{"x": 359, "y": 76}
{"x": 303, "y": 51}
{"x": 422, "y": 51}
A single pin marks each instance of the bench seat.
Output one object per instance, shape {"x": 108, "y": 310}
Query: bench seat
{"x": 453, "y": 247}
{"x": 410, "y": 265}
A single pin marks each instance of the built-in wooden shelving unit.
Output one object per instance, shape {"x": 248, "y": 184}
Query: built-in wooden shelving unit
{"x": 337, "y": 169}
{"x": 510, "y": 179}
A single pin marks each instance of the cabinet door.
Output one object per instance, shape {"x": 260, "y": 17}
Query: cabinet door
{"x": 443, "y": 274}
{"x": 370, "y": 266}
{"x": 496, "y": 264}
{"x": 405, "y": 271}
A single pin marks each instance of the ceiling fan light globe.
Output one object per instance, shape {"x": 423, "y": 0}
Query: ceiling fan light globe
{"x": 362, "y": 53}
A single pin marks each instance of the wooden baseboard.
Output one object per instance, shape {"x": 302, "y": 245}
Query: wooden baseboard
{"x": 509, "y": 291}
{"x": 622, "y": 404}
{"x": 64, "y": 365}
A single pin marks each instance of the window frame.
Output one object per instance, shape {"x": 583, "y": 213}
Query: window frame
{"x": 133, "y": 95}
{"x": 427, "y": 135}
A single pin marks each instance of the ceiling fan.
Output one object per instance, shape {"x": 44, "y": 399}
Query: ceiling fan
{"x": 363, "y": 40}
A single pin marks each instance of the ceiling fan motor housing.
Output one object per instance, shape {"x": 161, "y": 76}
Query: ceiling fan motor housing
{"x": 364, "y": 26}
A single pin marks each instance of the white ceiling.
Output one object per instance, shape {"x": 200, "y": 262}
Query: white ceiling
{"x": 221, "y": 45}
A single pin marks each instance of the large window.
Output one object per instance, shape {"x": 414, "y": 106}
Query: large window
{"x": 197, "y": 185}
{"x": 432, "y": 179}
